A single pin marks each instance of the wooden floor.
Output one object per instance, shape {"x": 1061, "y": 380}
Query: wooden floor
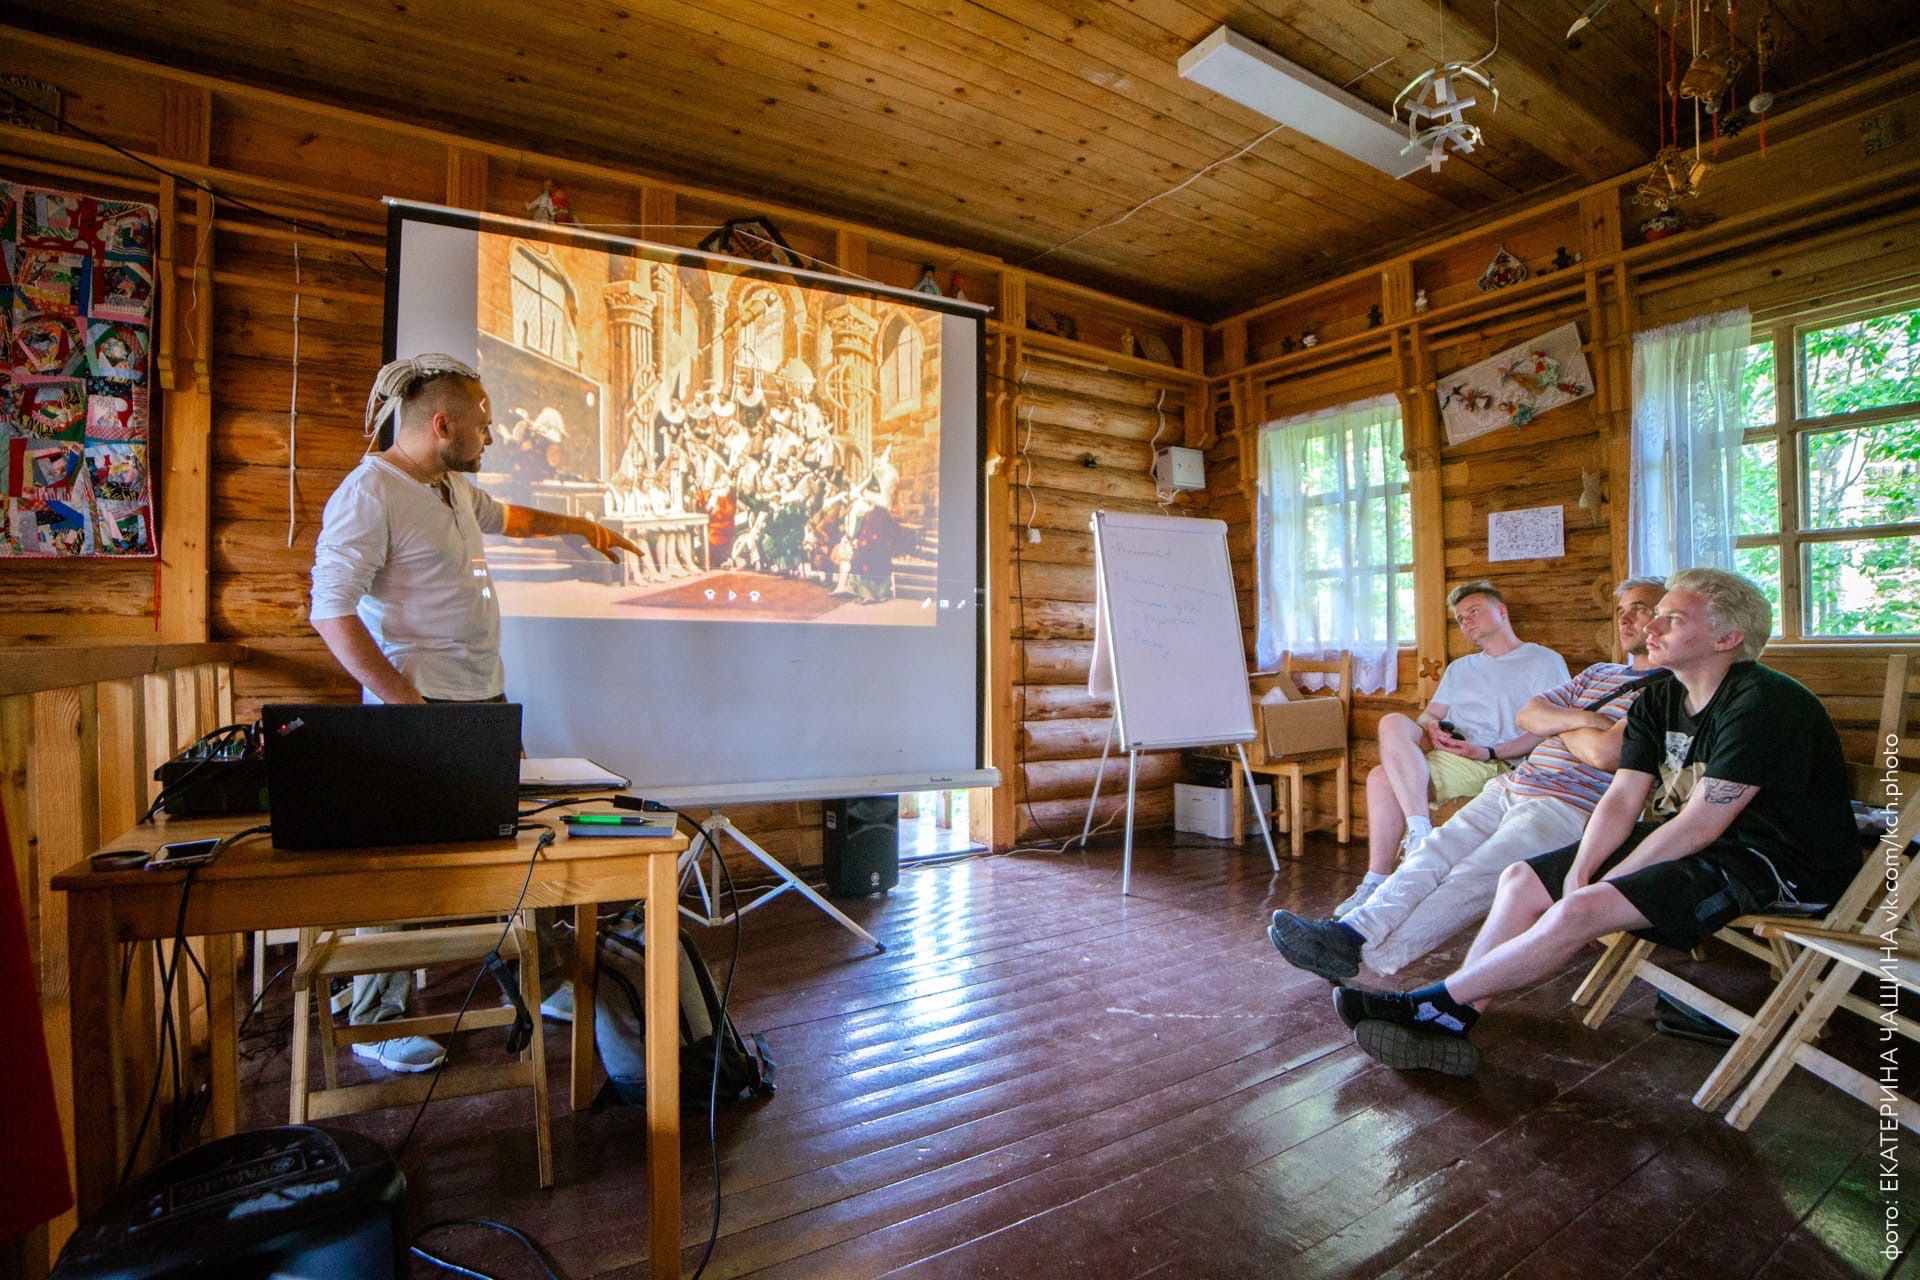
{"x": 1040, "y": 1079}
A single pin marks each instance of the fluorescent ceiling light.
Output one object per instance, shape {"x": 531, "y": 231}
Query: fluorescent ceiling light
{"x": 1254, "y": 76}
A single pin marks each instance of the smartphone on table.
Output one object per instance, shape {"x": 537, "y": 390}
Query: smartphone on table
{"x": 183, "y": 853}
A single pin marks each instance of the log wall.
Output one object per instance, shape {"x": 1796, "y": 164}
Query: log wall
{"x": 1841, "y": 233}
{"x": 247, "y": 476}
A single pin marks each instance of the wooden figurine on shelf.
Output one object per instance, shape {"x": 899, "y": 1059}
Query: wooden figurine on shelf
{"x": 1129, "y": 345}
{"x": 1374, "y": 318}
{"x": 1562, "y": 259}
{"x": 1286, "y": 345}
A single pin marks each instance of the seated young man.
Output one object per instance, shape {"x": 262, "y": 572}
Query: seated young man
{"x": 1446, "y": 884}
{"x": 1462, "y": 741}
{"x": 1746, "y": 762}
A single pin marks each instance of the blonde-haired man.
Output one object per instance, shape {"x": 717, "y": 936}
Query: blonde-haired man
{"x": 1746, "y": 763}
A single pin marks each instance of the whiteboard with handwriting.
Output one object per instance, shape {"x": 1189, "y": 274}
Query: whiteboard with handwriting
{"x": 1167, "y": 646}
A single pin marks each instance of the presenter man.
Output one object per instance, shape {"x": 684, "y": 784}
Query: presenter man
{"x": 1465, "y": 738}
{"x": 401, "y": 593}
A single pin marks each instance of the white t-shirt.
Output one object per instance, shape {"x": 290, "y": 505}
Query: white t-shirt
{"x": 1482, "y": 694}
{"x": 414, "y": 568}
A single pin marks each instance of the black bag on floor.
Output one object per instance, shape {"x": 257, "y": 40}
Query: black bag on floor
{"x": 619, "y": 1026}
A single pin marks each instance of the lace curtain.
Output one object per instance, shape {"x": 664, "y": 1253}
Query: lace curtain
{"x": 1332, "y": 530}
{"x": 1687, "y": 429}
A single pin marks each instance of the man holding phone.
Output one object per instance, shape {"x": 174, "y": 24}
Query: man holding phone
{"x": 1466, "y": 737}
{"x": 1745, "y": 765}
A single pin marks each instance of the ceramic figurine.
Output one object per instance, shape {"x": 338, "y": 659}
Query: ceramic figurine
{"x": 553, "y": 204}
{"x": 1419, "y": 301}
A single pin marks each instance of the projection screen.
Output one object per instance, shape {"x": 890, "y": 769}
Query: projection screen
{"x": 800, "y": 457}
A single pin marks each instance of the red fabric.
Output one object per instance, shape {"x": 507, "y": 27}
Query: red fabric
{"x": 31, "y": 1149}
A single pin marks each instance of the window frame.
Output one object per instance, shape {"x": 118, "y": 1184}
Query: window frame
{"x": 1793, "y": 536}
{"x": 1398, "y": 497}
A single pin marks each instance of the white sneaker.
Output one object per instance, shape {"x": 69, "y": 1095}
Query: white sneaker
{"x": 1358, "y": 898}
{"x": 403, "y": 1053}
{"x": 559, "y": 1003}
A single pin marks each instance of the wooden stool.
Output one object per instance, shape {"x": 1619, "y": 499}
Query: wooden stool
{"x": 330, "y": 953}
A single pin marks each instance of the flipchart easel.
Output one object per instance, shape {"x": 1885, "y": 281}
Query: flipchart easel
{"x": 1167, "y": 649}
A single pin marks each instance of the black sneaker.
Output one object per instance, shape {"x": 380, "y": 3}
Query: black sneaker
{"x": 1356, "y": 1006}
{"x": 1405, "y": 1048}
{"x": 1323, "y": 947}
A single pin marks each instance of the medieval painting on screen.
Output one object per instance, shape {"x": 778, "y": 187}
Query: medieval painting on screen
{"x": 772, "y": 446}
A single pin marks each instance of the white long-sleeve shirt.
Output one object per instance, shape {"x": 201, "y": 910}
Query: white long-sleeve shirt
{"x": 412, "y": 565}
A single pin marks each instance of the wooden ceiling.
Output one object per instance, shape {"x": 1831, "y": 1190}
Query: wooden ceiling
{"x": 1021, "y": 128}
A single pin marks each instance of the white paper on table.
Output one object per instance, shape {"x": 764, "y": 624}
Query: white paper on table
{"x": 1537, "y": 533}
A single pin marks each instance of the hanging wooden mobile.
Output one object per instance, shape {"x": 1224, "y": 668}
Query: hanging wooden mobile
{"x": 1709, "y": 82}
{"x": 1434, "y": 106}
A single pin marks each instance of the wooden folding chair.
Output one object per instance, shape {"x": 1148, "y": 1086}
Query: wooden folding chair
{"x": 1294, "y": 770}
{"x": 1885, "y": 943}
{"x": 1771, "y": 938}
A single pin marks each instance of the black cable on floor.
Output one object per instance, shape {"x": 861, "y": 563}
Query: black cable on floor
{"x": 539, "y": 1258}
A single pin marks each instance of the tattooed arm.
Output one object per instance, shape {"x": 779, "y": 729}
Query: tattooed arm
{"x": 1706, "y": 816}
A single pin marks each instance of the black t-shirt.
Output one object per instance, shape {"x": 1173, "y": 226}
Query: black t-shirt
{"x": 1765, "y": 730}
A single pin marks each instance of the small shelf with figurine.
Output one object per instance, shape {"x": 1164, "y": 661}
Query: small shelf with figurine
{"x": 1143, "y": 340}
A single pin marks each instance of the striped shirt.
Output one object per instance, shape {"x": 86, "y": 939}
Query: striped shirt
{"x": 1554, "y": 771}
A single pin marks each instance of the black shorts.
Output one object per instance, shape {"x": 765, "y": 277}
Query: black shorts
{"x": 1685, "y": 900}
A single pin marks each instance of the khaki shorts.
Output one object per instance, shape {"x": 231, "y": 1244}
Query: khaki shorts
{"x": 1458, "y": 778}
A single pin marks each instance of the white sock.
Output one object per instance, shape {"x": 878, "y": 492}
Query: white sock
{"x": 1372, "y": 880}
{"x": 1418, "y": 829}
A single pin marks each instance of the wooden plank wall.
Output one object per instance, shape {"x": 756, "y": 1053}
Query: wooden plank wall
{"x": 1843, "y": 232}
{"x": 270, "y": 471}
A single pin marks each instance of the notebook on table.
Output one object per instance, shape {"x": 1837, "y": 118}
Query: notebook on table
{"x": 353, "y": 776}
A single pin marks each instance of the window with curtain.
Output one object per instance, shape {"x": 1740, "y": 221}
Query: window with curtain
{"x": 1335, "y": 540}
{"x": 1688, "y": 425}
{"x": 1829, "y": 509}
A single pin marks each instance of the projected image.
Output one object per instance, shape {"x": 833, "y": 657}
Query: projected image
{"x": 773, "y": 448}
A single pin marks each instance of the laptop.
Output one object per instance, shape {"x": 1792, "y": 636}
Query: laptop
{"x": 346, "y": 776}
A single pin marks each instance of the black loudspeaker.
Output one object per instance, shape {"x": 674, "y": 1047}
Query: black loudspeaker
{"x": 861, "y": 845}
{"x": 296, "y": 1201}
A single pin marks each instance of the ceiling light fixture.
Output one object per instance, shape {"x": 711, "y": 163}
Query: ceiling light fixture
{"x": 1254, "y": 76}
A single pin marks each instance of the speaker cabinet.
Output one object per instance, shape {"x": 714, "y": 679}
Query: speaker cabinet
{"x": 860, "y": 845}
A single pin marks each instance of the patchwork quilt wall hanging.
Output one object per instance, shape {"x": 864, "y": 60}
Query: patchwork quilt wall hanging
{"x": 1515, "y": 387}
{"x": 76, "y": 319}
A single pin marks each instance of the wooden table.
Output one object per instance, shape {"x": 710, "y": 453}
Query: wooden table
{"x": 253, "y": 886}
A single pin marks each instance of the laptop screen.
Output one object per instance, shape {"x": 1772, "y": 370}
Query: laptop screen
{"x": 351, "y": 776}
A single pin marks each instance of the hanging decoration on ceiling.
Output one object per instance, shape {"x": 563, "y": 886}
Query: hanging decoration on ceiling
{"x": 76, "y": 314}
{"x": 1434, "y": 107}
{"x": 1709, "y": 82}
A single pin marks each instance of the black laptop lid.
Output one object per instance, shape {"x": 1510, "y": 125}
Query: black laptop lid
{"x": 344, "y": 776}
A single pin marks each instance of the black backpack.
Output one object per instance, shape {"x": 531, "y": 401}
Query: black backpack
{"x": 619, "y": 1026}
